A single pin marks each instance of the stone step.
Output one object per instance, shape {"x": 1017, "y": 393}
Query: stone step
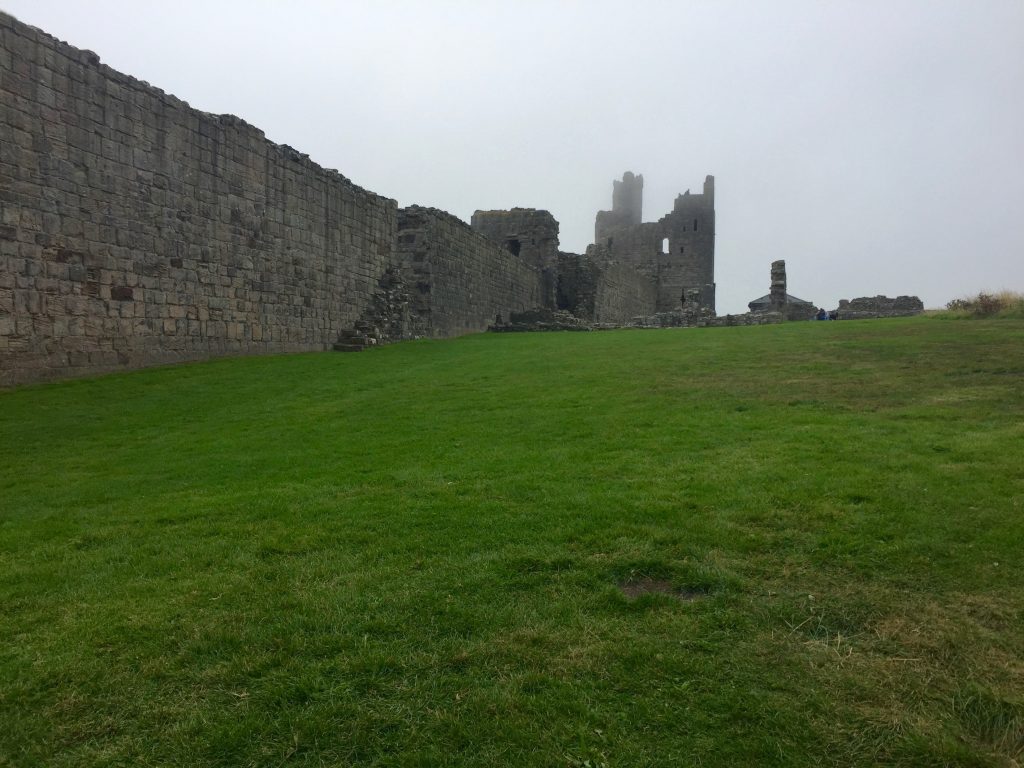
{"x": 358, "y": 335}
{"x": 343, "y": 347}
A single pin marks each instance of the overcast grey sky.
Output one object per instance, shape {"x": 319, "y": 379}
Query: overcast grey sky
{"x": 876, "y": 145}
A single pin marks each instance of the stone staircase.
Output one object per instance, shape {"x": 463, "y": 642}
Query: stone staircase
{"x": 357, "y": 338}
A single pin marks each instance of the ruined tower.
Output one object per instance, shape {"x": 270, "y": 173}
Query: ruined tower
{"x": 677, "y": 252}
{"x": 627, "y": 206}
{"x": 779, "y": 300}
{"x": 529, "y": 234}
{"x": 777, "y": 292}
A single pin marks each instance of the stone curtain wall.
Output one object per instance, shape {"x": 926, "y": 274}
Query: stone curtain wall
{"x": 458, "y": 280}
{"x": 603, "y": 292}
{"x": 528, "y": 233}
{"x": 135, "y": 230}
{"x": 622, "y": 294}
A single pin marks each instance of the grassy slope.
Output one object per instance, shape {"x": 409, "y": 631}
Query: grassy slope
{"x": 410, "y": 556}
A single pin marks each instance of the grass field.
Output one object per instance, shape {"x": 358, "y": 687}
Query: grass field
{"x": 415, "y": 556}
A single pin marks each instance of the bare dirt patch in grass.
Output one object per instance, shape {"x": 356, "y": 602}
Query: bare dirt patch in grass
{"x": 637, "y": 588}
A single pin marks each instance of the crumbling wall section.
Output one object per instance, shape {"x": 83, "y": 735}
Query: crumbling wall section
{"x": 623, "y": 293}
{"x": 702, "y": 317}
{"x": 528, "y": 233}
{"x": 458, "y": 280}
{"x": 879, "y": 306}
{"x": 577, "y": 284}
{"x": 601, "y": 291}
{"x": 135, "y": 230}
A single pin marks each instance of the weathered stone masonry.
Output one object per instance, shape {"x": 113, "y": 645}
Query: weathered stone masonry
{"x": 461, "y": 282}
{"x": 135, "y": 230}
{"x": 529, "y": 234}
{"x": 869, "y": 307}
{"x": 599, "y": 290}
{"x": 677, "y": 252}
{"x": 594, "y": 287}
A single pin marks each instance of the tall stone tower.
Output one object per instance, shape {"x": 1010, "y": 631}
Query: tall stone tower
{"x": 677, "y": 252}
{"x": 689, "y": 261}
{"x": 627, "y": 206}
{"x": 777, "y": 292}
{"x": 628, "y": 197}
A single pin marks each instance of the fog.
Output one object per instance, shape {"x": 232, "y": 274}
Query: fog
{"x": 877, "y": 147}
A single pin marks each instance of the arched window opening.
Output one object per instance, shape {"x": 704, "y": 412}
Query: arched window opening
{"x": 664, "y": 245}
{"x": 694, "y": 225}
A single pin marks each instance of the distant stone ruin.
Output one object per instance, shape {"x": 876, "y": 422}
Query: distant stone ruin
{"x": 677, "y": 252}
{"x": 872, "y": 307}
{"x": 136, "y": 230}
{"x": 789, "y": 307}
{"x": 779, "y": 301}
{"x": 633, "y": 270}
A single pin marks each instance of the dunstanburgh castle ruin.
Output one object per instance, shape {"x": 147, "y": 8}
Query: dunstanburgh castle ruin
{"x": 135, "y": 230}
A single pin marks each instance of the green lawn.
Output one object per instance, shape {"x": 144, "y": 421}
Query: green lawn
{"x": 413, "y": 556}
